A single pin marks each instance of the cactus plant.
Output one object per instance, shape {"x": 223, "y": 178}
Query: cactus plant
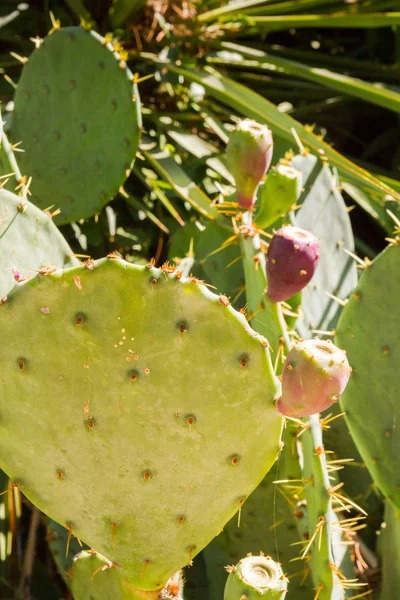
{"x": 256, "y": 576}
{"x": 77, "y": 115}
{"x": 101, "y": 390}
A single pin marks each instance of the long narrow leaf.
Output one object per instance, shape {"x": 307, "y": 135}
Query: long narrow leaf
{"x": 268, "y": 7}
{"x": 342, "y": 20}
{"x": 255, "y": 59}
{"x": 170, "y": 171}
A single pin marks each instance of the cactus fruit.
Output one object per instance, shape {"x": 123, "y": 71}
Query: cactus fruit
{"x": 137, "y": 355}
{"x": 292, "y": 259}
{"x": 256, "y": 576}
{"x": 77, "y": 115}
{"x": 314, "y": 375}
{"x": 280, "y": 192}
{"x": 249, "y": 155}
{"x": 29, "y": 240}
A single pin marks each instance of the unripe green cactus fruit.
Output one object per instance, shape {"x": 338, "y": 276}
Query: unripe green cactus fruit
{"x": 256, "y": 576}
{"x": 77, "y": 115}
{"x": 249, "y": 155}
{"x": 314, "y": 376}
{"x": 137, "y": 410}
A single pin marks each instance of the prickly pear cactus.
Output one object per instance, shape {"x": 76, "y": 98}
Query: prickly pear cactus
{"x": 136, "y": 356}
{"x": 77, "y": 115}
{"x": 256, "y": 576}
{"x": 368, "y": 330}
{"x": 29, "y": 240}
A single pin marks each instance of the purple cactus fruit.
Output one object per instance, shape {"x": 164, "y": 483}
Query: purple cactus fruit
{"x": 249, "y": 155}
{"x": 314, "y": 375}
{"x": 292, "y": 259}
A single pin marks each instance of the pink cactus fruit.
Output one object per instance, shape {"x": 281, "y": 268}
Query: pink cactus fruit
{"x": 292, "y": 260}
{"x": 249, "y": 155}
{"x": 314, "y": 375}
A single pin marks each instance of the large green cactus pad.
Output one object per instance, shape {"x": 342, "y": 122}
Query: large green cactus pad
{"x": 369, "y": 331}
{"x": 29, "y": 240}
{"x": 78, "y": 122}
{"x": 137, "y": 409}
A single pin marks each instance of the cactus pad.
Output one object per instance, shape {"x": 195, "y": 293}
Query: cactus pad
{"x": 29, "y": 240}
{"x": 368, "y": 330}
{"x": 256, "y": 576}
{"x": 76, "y": 113}
{"x": 121, "y": 357}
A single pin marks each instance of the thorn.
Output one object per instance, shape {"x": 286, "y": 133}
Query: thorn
{"x": 38, "y": 41}
{"x": 318, "y": 532}
{"x": 298, "y": 141}
{"x": 395, "y": 219}
{"x": 341, "y": 302}
{"x": 328, "y": 419}
{"x": 10, "y": 81}
{"x": 107, "y": 565}
{"x": 322, "y": 332}
{"x": 56, "y": 23}
{"x": 69, "y": 527}
{"x": 137, "y": 79}
{"x": 319, "y": 590}
{"x": 21, "y": 59}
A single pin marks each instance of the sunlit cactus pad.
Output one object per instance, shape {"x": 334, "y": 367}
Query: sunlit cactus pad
{"x": 369, "y": 331}
{"x": 76, "y": 113}
{"x": 137, "y": 409}
{"x": 29, "y": 240}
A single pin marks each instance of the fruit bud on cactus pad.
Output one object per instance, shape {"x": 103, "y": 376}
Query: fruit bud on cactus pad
{"x": 292, "y": 259}
{"x": 256, "y": 576}
{"x": 315, "y": 374}
{"x": 249, "y": 155}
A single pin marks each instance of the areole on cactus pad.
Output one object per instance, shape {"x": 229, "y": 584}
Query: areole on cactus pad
{"x": 137, "y": 410}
